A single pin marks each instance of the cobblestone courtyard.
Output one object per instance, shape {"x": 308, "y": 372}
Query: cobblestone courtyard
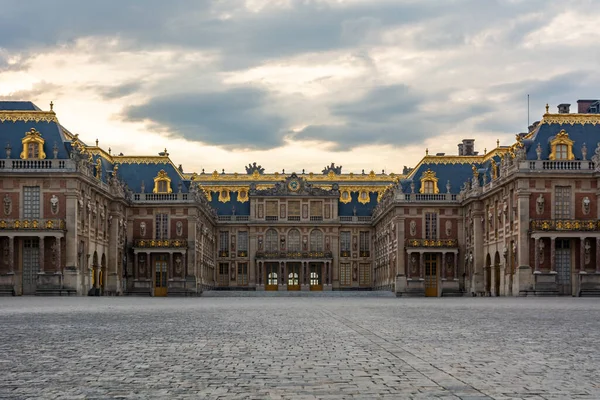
{"x": 299, "y": 348}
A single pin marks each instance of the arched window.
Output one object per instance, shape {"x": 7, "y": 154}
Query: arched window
{"x": 561, "y": 147}
{"x": 33, "y": 145}
{"x": 316, "y": 240}
{"x": 162, "y": 183}
{"x": 271, "y": 244}
{"x": 294, "y": 240}
{"x": 429, "y": 183}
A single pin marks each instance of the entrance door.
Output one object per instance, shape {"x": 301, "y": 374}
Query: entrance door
{"x": 431, "y": 275}
{"x": 160, "y": 276}
{"x": 563, "y": 266}
{"x": 293, "y": 278}
{"x": 31, "y": 265}
{"x": 316, "y": 282}
{"x": 271, "y": 276}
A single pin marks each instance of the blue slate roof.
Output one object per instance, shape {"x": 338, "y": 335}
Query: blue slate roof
{"x": 579, "y": 133}
{"x": 227, "y": 208}
{"x": 362, "y": 210}
{"x": 457, "y": 174}
{"x": 18, "y": 106}
{"x": 133, "y": 174}
{"x": 13, "y": 132}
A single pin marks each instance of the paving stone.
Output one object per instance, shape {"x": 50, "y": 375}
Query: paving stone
{"x": 338, "y": 347}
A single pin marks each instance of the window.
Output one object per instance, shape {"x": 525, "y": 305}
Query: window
{"x": 223, "y": 243}
{"x": 428, "y": 189}
{"x": 562, "y": 202}
{"x": 33, "y": 145}
{"x": 162, "y": 226}
{"x": 272, "y": 214}
{"x": 223, "y": 274}
{"x": 316, "y": 211}
{"x": 364, "y": 244}
{"x": 242, "y": 274}
{"x": 562, "y": 152}
{"x": 33, "y": 150}
{"x": 294, "y": 210}
{"x": 345, "y": 243}
{"x": 345, "y": 274}
{"x": 162, "y": 187}
{"x": 271, "y": 238}
{"x": 242, "y": 244}
{"x": 364, "y": 274}
{"x": 31, "y": 202}
{"x": 561, "y": 147}
{"x": 294, "y": 240}
{"x": 430, "y": 226}
{"x": 316, "y": 240}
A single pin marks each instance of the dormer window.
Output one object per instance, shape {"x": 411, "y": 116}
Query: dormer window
{"x": 33, "y": 145}
{"x": 162, "y": 183}
{"x": 429, "y": 183}
{"x": 561, "y": 147}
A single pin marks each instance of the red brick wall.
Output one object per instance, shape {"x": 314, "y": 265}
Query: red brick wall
{"x": 184, "y": 222}
{"x": 547, "y": 214}
{"x": 149, "y": 228}
{"x": 453, "y": 231}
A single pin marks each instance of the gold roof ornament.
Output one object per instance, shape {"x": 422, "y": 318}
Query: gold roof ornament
{"x": 429, "y": 176}
{"x": 34, "y": 137}
{"x": 561, "y": 138}
{"x": 162, "y": 183}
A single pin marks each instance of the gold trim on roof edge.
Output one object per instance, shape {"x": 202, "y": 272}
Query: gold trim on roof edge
{"x": 276, "y": 177}
{"x": 571, "y": 119}
{"x": 25, "y": 116}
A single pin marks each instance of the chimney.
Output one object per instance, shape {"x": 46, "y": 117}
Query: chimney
{"x": 468, "y": 146}
{"x": 583, "y": 106}
{"x": 563, "y": 108}
{"x": 460, "y": 149}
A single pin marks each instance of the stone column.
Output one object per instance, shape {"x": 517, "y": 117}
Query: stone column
{"x": 58, "y": 254}
{"x": 536, "y": 256}
{"x": 477, "y": 265}
{"x": 135, "y": 265}
{"x": 408, "y": 270}
{"x": 552, "y": 254}
{"x": 443, "y": 265}
{"x": 598, "y": 255}
{"x": 582, "y": 254}
{"x": 170, "y": 268}
{"x": 421, "y": 265}
{"x": 11, "y": 254}
{"x": 73, "y": 275}
{"x": 42, "y": 253}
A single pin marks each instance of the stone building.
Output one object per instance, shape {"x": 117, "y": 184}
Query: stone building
{"x": 517, "y": 220}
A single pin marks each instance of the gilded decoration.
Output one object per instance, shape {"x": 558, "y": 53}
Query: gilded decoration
{"x": 429, "y": 176}
{"x": 176, "y": 243}
{"x": 33, "y": 137}
{"x": 162, "y": 183}
{"x": 432, "y": 243}
{"x": 363, "y": 197}
{"x": 28, "y": 116}
{"x": 571, "y": 119}
{"x": 561, "y": 138}
{"x": 224, "y": 196}
{"x": 34, "y": 224}
{"x": 276, "y": 177}
{"x": 345, "y": 196}
{"x": 565, "y": 225}
{"x": 224, "y": 192}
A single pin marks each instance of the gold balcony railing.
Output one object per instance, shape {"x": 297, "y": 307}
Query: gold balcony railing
{"x": 32, "y": 224}
{"x": 173, "y": 243}
{"x": 564, "y": 225}
{"x": 432, "y": 243}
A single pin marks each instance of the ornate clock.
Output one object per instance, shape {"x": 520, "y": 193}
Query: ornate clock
{"x": 294, "y": 185}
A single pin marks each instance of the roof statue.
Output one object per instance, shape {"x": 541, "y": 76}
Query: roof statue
{"x": 251, "y": 168}
{"x": 336, "y": 170}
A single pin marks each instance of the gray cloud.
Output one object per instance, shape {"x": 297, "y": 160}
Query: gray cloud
{"x": 236, "y": 118}
{"x": 36, "y": 90}
{"x": 116, "y": 91}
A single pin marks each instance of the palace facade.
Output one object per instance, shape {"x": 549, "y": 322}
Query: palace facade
{"x": 515, "y": 220}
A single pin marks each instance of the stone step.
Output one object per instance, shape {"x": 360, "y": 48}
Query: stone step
{"x": 334, "y": 293}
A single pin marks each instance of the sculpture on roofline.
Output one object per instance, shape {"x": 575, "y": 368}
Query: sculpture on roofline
{"x": 336, "y": 170}
{"x": 251, "y": 168}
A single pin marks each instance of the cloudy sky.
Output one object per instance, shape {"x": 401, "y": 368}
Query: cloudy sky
{"x": 368, "y": 84}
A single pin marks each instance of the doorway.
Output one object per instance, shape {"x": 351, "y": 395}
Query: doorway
{"x": 160, "y": 276}
{"x": 431, "y": 278}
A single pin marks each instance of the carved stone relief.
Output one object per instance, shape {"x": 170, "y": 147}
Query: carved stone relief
{"x": 539, "y": 204}
{"x": 179, "y": 228}
{"x": 413, "y": 228}
{"x": 448, "y": 228}
{"x": 7, "y": 204}
{"x": 586, "y": 205}
{"x": 54, "y": 204}
{"x": 143, "y": 229}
